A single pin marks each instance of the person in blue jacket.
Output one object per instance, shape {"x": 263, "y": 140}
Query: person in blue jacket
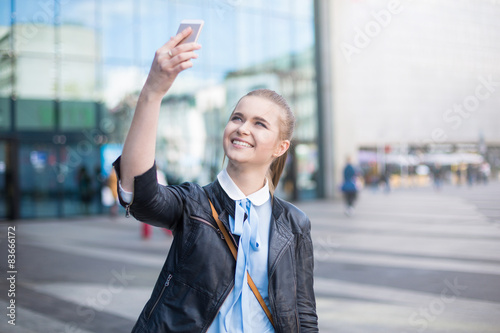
{"x": 349, "y": 187}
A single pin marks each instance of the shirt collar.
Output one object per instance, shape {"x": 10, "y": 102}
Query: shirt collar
{"x": 257, "y": 198}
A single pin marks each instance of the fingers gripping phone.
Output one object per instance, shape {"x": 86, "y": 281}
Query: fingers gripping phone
{"x": 196, "y": 25}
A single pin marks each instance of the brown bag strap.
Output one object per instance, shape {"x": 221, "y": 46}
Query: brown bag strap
{"x": 234, "y": 251}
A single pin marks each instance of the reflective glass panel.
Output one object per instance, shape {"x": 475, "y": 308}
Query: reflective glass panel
{"x": 5, "y": 22}
{"x": 118, "y": 31}
{"x": 38, "y": 183}
{"x": 35, "y": 114}
{"x": 77, "y": 115}
{"x": 280, "y": 7}
{"x": 4, "y": 113}
{"x": 307, "y": 170}
{"x": 78, "y": 173}
{"x": 78, "y": 80}
{"x": 158, "y": 24}
{"x": 5, "y": 12}
{"x": 81, "y": 13}
{"x": 35, "y": 77}
{"x": 6, "y": 69}
{"x": 303, "y": 9}
{"x": 5, "y": 38}
{"x": 78, "y": 42}
{"x": 34, "y": 29}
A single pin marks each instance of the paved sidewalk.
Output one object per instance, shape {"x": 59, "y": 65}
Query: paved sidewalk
{"x": 411, "y": 261}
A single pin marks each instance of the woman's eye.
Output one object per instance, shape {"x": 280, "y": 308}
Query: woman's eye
{"x": 261, "y": 124}
{"x": 236, "y": 118}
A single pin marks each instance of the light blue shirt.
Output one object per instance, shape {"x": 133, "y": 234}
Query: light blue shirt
{"x": 241, "y": 312}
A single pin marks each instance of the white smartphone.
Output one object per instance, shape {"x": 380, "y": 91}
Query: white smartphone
{"x": 196, "y": 25}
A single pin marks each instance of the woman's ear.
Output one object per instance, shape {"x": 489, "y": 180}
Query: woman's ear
{"x": 282, "y": 148}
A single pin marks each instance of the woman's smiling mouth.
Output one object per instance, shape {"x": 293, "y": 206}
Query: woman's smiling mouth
{"x": 237, "y": 142}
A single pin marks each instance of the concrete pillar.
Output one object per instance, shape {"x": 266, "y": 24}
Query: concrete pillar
{"x": 337, "y": 130}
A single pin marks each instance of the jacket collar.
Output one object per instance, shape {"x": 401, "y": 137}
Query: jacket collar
{"x": 223, "y": 204}
{"x": 281, "y": 235}
{"x": 257, "y": 198}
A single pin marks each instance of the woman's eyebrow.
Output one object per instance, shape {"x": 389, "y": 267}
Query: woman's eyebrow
{"x": 257, "y": 118}
{"x": 261, "y": 119}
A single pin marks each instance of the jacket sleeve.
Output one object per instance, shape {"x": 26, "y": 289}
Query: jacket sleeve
{"x": 306, "y": 301}
{"x": 152, "y": 203}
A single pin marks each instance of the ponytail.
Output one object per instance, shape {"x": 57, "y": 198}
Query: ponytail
{"x": 275, "y": 171}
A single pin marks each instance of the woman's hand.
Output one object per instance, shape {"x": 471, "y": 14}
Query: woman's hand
{"x": 169, "y": 61}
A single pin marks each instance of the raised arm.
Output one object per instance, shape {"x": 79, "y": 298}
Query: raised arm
{"x": 139, "y": 149}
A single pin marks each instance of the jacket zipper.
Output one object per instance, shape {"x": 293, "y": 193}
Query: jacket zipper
{"x": 169, "y": 277}
{"x": 127, "y": 209}
{"x": 127, "y": 206}
{"x": 199, "y": 219}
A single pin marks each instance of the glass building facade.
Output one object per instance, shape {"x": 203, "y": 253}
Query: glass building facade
{"x": 71, "y": 72}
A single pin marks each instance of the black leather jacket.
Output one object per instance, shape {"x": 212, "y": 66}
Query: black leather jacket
{"x": 198, "y": 273}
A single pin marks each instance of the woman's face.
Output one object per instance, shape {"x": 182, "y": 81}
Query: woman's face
{"x": 252, "y": 135}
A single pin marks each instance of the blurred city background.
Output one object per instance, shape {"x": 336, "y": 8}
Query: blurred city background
{"x": 402, "y": 87}
{"x": 409, "y": 90}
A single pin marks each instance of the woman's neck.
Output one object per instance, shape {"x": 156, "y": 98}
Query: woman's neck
{"x": 249, "y": 180}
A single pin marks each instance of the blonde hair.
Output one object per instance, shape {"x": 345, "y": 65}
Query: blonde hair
{"x": 287, "y": 125}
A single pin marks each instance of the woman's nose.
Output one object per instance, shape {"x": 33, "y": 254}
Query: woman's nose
{"x": 243, "y": 128}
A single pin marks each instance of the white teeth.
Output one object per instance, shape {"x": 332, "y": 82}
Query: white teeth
{"x": 241, "y": 143}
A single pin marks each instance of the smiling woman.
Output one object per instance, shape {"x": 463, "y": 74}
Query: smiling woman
{"x": 201, "y": 288}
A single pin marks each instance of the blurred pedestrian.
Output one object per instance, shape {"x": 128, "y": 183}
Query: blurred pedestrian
{"x": 201, "y": 288}
{"x": 349, "y": 188}
{"x": 438, "y": 176}
{"x": 471, "y": 174}
{"x": 458, "y": 174}
{"x": 84, "y": 188}
{"x": 385, "y": 180}
{"x": 485, "y": 172}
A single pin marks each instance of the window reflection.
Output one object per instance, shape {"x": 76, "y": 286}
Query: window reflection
{"x": 33, "y": 114}
{"x": 38, "y": 183}
{"x": 78, "y": 42}
{"x": 41, "y": 85}
{"x": 77, "y": 80}
{"x": 80, "y": 182}
{"x": 158, "y": 24}
{"x": 81, "y": 13}
{"x": 4, "y": 113}
{"x": 77, "y": 115}
{"x": 119, "y": 18}
{"x": 34, "y": 26}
